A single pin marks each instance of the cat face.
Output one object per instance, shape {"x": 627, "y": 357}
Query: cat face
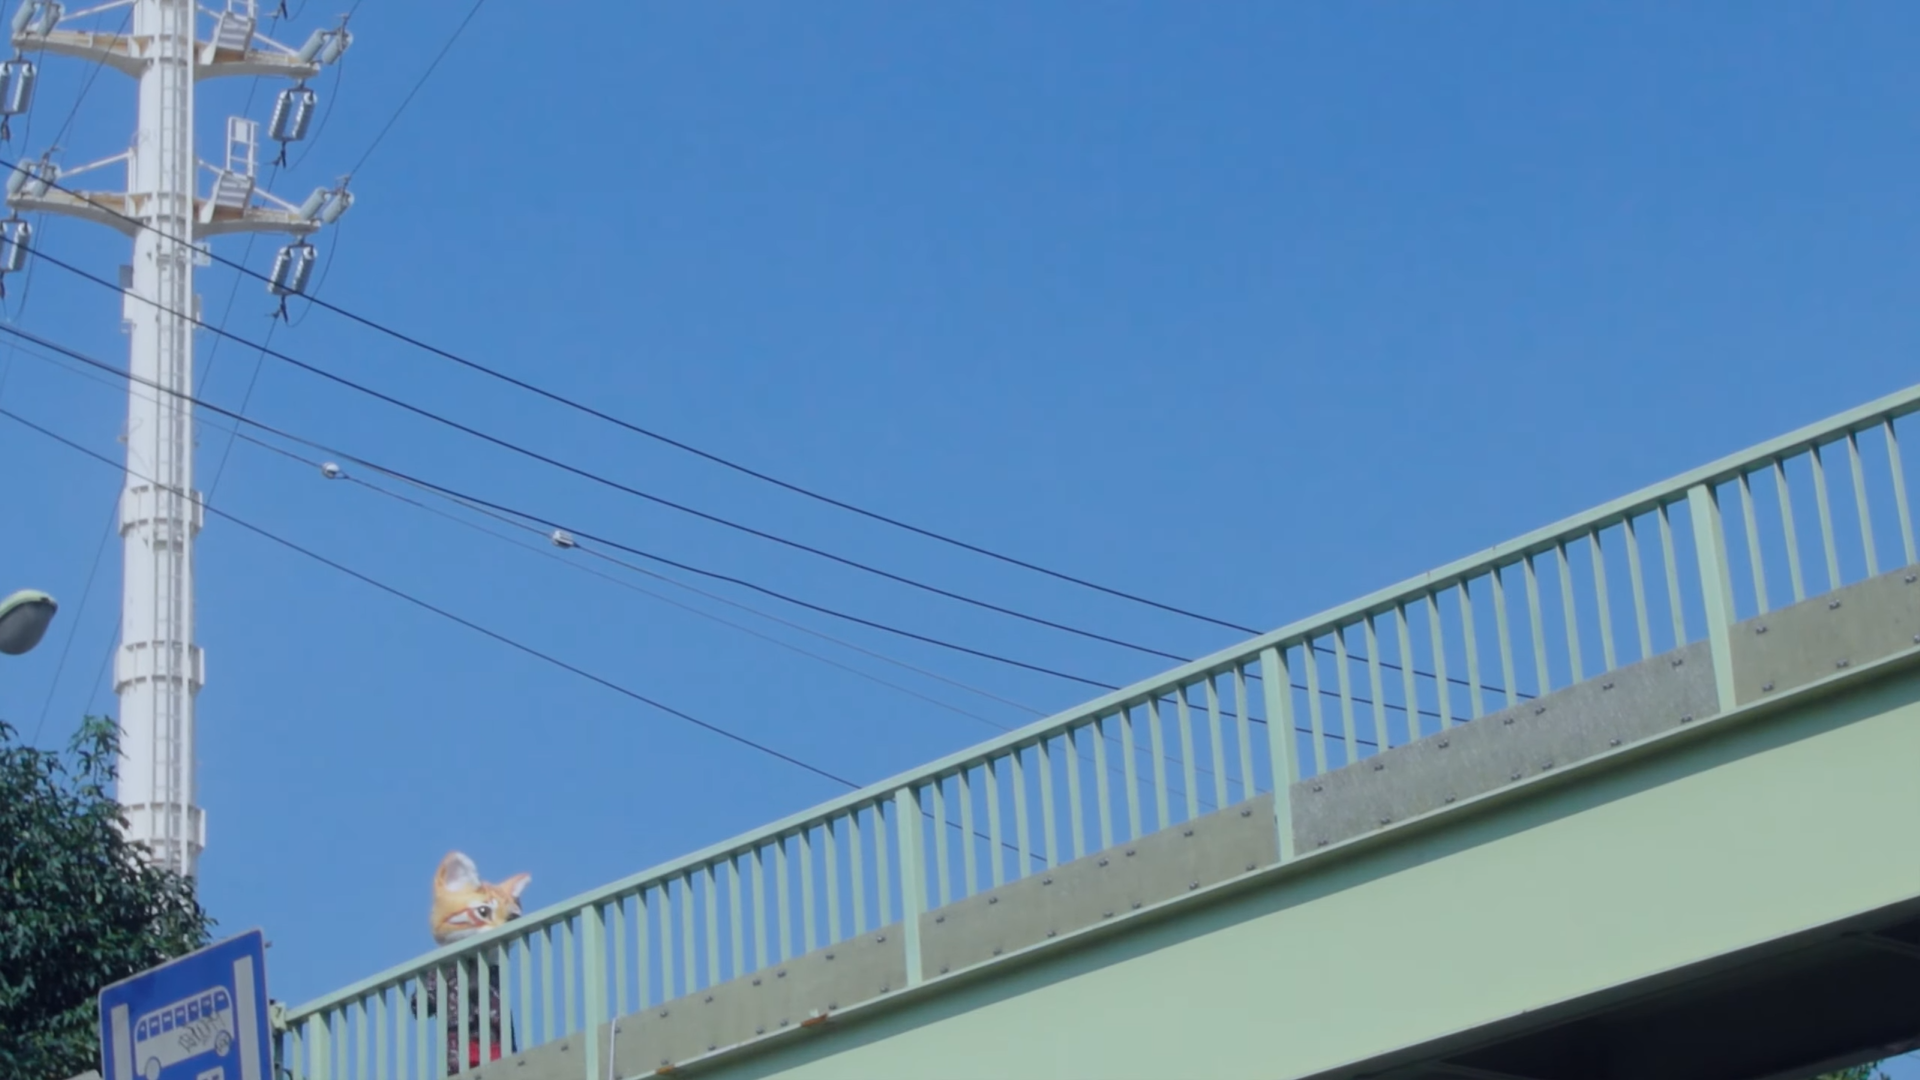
{"x": 463, "y": 905}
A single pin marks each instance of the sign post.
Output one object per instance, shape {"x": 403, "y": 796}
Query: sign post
{"x": 202, "y": 1016}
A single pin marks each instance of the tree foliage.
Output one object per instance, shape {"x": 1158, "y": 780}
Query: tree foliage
{"x": 82, "y": 907}
{"x": 1858, "y": 1072}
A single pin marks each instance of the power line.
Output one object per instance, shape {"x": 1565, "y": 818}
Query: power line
{"x": 507, "y": 513}
{"x": 445, "y": 614}
{"x": 1319, "y": 649}
{"x": 551, "y": 524}
{"x": 611, "y": 483}
{"x": 668, "y": 440}
{"x": 428, "y": 74}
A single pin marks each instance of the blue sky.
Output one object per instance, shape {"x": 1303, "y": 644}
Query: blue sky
{"x": 1247, "y": 307}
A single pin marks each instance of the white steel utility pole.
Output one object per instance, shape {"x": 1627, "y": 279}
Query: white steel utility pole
{"x": 158, "y": 670}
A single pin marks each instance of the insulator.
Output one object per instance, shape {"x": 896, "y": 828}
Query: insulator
{"x": 311, "y": 49}
{"x": 292, "y": 112}
{"x": 336, "y": 206}
{"x": 335, "y": 47}
{"x": 23, "y": 16}
{"x": 16, "y": 86}
{"x": 50, "y": 12}
{"x": 291, "y": 269}
{"x": 14, "y": 241}
{"x": 314, "y": 202}
{"x": 330, "y": 470}
{"x": 561, "y": 538}
{"x": 33, "y": 178}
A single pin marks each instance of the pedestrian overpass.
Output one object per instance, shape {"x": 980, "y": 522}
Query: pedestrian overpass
{"x": 1632, "y": 796}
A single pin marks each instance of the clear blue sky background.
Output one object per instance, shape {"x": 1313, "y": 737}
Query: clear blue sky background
{"x": 1250, "y": 307}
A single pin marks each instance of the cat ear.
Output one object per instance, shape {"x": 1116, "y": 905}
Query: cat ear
{"x": 456, "y": 872}
{"x": 515, "y": 884}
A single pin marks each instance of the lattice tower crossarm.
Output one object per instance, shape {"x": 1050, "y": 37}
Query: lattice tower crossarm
{"x": 158, "y": 669}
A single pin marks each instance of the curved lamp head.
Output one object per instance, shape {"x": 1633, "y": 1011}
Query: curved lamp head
{"x": 24, "y": 618}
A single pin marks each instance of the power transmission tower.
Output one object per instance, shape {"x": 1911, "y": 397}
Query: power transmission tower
{"x": 158, "y": 670}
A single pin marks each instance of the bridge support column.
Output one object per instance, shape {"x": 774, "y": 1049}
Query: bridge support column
{"x": 1716, "y": 587}
{"x": 1284, "y": 754}
{"x": 913, "y": 878}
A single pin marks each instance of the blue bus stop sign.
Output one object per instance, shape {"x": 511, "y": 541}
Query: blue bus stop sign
{"x": 200, "y": 1017}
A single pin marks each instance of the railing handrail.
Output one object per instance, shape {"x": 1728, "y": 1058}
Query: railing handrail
{"x": 1838, "y": 426}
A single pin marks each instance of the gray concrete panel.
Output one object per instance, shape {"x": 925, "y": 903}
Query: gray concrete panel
{"x": 1817, "y": 637}
{"x": 1504, "y": 748}
{"x": 1105, "y": 885}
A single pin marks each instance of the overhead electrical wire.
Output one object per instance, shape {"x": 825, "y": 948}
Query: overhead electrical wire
{"x": 549, "y": 523}
{"x": 1453, "y": 680}
{"x": 473, "y": 501}
{"x": 450, "y": 616}
{"x": 587, "y": 474}
{"x": 668, "y": 440}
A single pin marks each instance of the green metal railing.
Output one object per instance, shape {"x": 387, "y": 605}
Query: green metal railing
{"x": 1666, "y": 566}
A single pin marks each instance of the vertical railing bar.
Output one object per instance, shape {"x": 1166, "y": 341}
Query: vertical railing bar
{"x": 1542, "y": 673}
{"x": 1183, "y": 716}
{"x": 830, "y": 859}
{"x": 1826, "y": 516}
{"x": 856, "y": 870}
{"x": 1672, "y": 567}
{"x": 619, "y": 938}
{"x": 1020, "y": 825}
{"x": 736, "y": 913}
{"x": 1900, "y": 493}
{"x": 1470, "y": 644}
{"x": 1862, "y": 504}
{"x": 526, "y": 988}
{"x": 1101, "y": 793}
{"x": 1442, "y": 691}
{"x": 1563, "y": 569}
{"x": 447, "y": 1005}
{"x": 1504, "y": 634}
{"x": 969, "y": 857}
{"x": 1282, "y": 750}
{"x": 1411, "y": 690}
{"x": 1159, "y": 751}
{"x": 1376, "y": 687}
{"x": 1049, "y": 828}
{"x": 569, "y": 963}
{"x": 1638, "y": 580}
{"x": 1344, "y": 684}
{"x": 1310, "y": 659}
{"x": 938, "y": 789}
{"x": 1786, "y": 525}
{"x": 642, "y": 933}
{"x": 760, "y": 905}
{"x": 380, "y": 1040}
{"x": 713, "y": 924}
{"x": 1754, "y": 558}
{"x": 1243, "y": 723}
{"x": 808, "y": 933}
{"x": 1130, "y": 768}
{"x": 782, "y": 898}
{"x": 994, "y": 849}
{"x": 689, "y": 956}
{"x": 547, "y": 1027}
{"x": 1603, "y": 604}
{"x": 883, "y": 878}
{"x": 1219, "y": 747}
{"x": 593, "y": 995}
{"x": 913, "y": 878}
{"x": 467, "y": 975}
{"x": 1716, "y": 592}
{"x": 1076, "y": 815}
{"x": 362, "y": 1018}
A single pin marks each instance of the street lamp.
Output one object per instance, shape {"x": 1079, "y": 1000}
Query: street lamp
{"x": 24, "y": 618}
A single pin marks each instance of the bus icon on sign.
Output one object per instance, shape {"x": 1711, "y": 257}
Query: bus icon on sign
{"x": 188, "y": 1028}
